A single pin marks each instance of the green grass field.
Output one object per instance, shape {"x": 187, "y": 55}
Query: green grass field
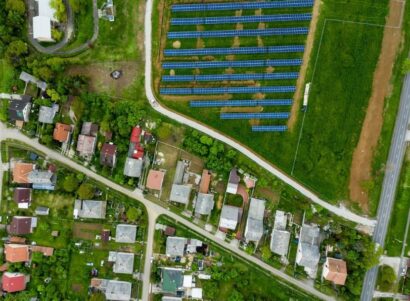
{"x": 339, "y": 95}
{"x": 6, "y": 76}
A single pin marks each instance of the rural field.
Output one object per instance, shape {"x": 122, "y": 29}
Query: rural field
{"x": 318, "y": 146}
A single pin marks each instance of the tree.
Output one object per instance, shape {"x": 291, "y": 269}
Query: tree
{"x": 235, "y": 296}
{"x": 164, "y": 132}
{"x": 133, "y": 214}
{"x": 70, "y": 183}
{"x": 15, "y": 51}
{"x": 60, "y": 9}
{"x": 53, "y": 94}
{"x": 86, "y": 191}
{"x": 406, "y": 67}
{"x": 17, "y": 6}
{"x": 387, "y": 277}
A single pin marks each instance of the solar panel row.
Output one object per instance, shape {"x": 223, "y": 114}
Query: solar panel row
{"x": 241, "y": 19}
{"x": 227, "y": 90}
{"x": 240, "y": 103}
{"x": 270, "y": 115}
{"x": 237, "y": 33}
{"x": 233, "y": 77}
{"x": 237, "y": 50}
{"x": 240, "y": 5}
{"x": 232, "y": 64}
{"x": 269, "y": 128}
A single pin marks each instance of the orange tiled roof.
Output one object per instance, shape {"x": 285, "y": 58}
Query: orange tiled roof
{"x": 155, "y": 179}
{"x": 47, "y": 251}
{"x": 205, "y": 181}
{"x": 61, "y": 132}
{"x": 21, "y": 171}
{"x": 337, "y": 271}
{"x": 16, "y": 253}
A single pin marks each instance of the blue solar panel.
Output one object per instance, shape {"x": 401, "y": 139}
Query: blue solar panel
{"x": 241, "y": 19}
{"x": 232, "y": 77}
{"x": 240, "y": 103}
{"x": 240, "y": 5}
{"x": 232, "y": 64}
{"x": 270, "y": 115}
{"x": 227, "y": 90}
{"x": 237, "y": 50}
{"x": 269, "y": 128}
{"x": 238, "y": 33}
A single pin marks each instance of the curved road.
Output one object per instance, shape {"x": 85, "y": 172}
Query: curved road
{"x": 390, "y": 181}
{"x": 153, "y": 211}
{"x": 340, "y": 211}
{"x": 69, "y": 29}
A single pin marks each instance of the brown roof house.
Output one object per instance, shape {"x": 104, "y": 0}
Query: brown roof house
{"x": 22, "y": 225}
{"x": 16, "y": 253}
{"x": 233, "y": 181}
{"x": 108, "y": 155}
{"x": 62, "y": 132}
{"x": 87, "y": 140}
{"x": 335, "y": 270}
{"x": 205, "y": 181}
{"x": 155, "y": 179}
{"x": 21, "y": 172}
{"x": 22, "y": 197}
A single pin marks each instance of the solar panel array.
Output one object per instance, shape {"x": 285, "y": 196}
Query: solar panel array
{"x": 269, "y": 128}
{"x": 231, "y": 64}
{"x": 236, "y": 50}
{"x": 270, "y": 115}
{"x": 241, "y": 19}
{"x": 240, "y": 5}
{"x": 237, "y": 33}
{"x": 240, "y": 103}
{"x": 230, "y": 77}
{"x": 227, "y": 90}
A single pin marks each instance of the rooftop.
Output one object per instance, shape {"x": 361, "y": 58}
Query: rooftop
{"x": 123, "y": 262}
{"x": 280, "y": 242}
{"x": 180, "y": 193}
{"x": 175, "y": 246}
{"x": 113, "y": 289}
{"x": 155, "y": 179}
{"x": 125, "y": 233}
{"x": 20, "y": 225}
{"x": 21, "y": 171}
{"x": 13, "y": 282}
{"x": 108, "y": 154}
{"x": 90, "y": 209}
{"x": 335, "y": 270}
{"x": 47, "y": 114}
{"x": 172, "y": 279}
{"x": 204, "y": 203}
{"x": 16, "y": 253}
{"x": 133, "y": 167}
{"x": 62, "y": 132}
{"x": 205, "y": 181}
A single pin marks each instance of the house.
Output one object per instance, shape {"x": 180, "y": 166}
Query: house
{"x": 335, "y": 270}
{"x": 125, "y": 233}
{"x": 233, "y": 181}
{"x": 193, "y": 245}
{"x": 280, "y": 238}
{"x": 204, "y": 203}
{"x": 308, "y": 249}
{"x": 123, "y": 262}
{"x": 113, "y": 289}
{"x": 22, "y": 197}
{"x": 229, "y": 217}
{"x": 135, "y": 149}
{"x": 188, "y": 281}
{"x": 180, "y": 193}
{"x": 108, "y": 155}
{"x": 47, "y": 114}
{"x": 179, "y": 172}
{"x": 105, "y": 235}
{"x": 46, "y": 251}
{"x": 89, "y": 209}
{"x": 21, "y": 171}
{"x": 42, "y": 23}
{"x": 22, "y": 225}
{"x": 40, "y": 210}
{"x": 19, "y": 110}
{"x": 172, "y": 280}
{"x": 16, "y": 253}
{"x": 133, "y": 167}
{"x": 42, "y": 179}
{"x": 155, "y": 179}
{"x": 205, "y": 181}
{"x": 28, "y": 78}
{"x": 62, "y": 132}
{"x": 254, "y": 223}
{"x": 175, "y": 246}
{"x": 87, "y": 140}
{"x": 13, "y": 282}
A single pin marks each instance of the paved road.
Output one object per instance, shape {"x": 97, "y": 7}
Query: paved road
{"x": 69, "y": 30}
{"x": 340, "y": 211}
{"x": 391, "y": 178}
{"x": 153, "y": 211}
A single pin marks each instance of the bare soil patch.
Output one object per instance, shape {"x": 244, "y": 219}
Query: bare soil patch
{"x": 242, "y": 109}
{"x": 302, "y": 74}
{"x": 86, "y": 230}
{"x": 360, "y": 171}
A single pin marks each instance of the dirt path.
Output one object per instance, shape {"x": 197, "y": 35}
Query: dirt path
{"x": 300, "y": 87}
{"x": 360, "y": 171}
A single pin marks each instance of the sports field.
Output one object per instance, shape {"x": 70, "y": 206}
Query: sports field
{"x": 341, "y": 70}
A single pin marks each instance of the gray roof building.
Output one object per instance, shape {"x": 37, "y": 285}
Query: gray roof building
{"x": 167, "y": 298}
{"x": 229, "y": 217}
{"x": 204, "y": 203}
{"x": 180, "y": 193}
{"x": 281, "y": 220}
{"x": 175, "y": 246}
{"x": 113, "y": 289}
{"x": 28, "y": 78}
{"x": 133, "y": 167}
{"x": 280, "y": 238}
{"x": 90, "y": 209}
{"x": 254, "y": 223}
{"x": 40, "y": 210}
{"x": 47, "y": 114}
{"x": 42, "y": 179}
{"x": 89, "y": 129}
{"x": 123, "y": 262}
{"x": 179, "y": 172}
{"x": 125, "y": 233}
{"x": 308, "y": 248}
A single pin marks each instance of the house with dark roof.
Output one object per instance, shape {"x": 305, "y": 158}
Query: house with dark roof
{"x": 233, "y": 181}
{"x": 108, "y": 155}
{"x": 89, "y": 209}
{"x": 19, "y": 110}
{"x": 87, "y": 140}
{"x": 16, "y": 253}
{"x": 62, "y": 132}
{"x": 123, "y": 262}
{"x": 22, "y": 197}
{"x": 13, "y": 282}
{"x": 22, "y": 225}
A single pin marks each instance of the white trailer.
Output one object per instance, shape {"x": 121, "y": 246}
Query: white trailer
{"x": 306, "y": 97}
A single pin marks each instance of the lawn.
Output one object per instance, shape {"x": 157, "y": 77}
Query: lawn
{"x": 7, "y": 74}
{"x": 341, "y": 87}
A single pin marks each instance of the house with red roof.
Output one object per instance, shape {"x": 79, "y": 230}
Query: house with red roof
{"x": 14, "y": 282}
{"x": 17, "y": 253}
{"x": 136, "y": 150}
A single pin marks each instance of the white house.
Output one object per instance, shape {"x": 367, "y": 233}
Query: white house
{"x": 42, "y": 23}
